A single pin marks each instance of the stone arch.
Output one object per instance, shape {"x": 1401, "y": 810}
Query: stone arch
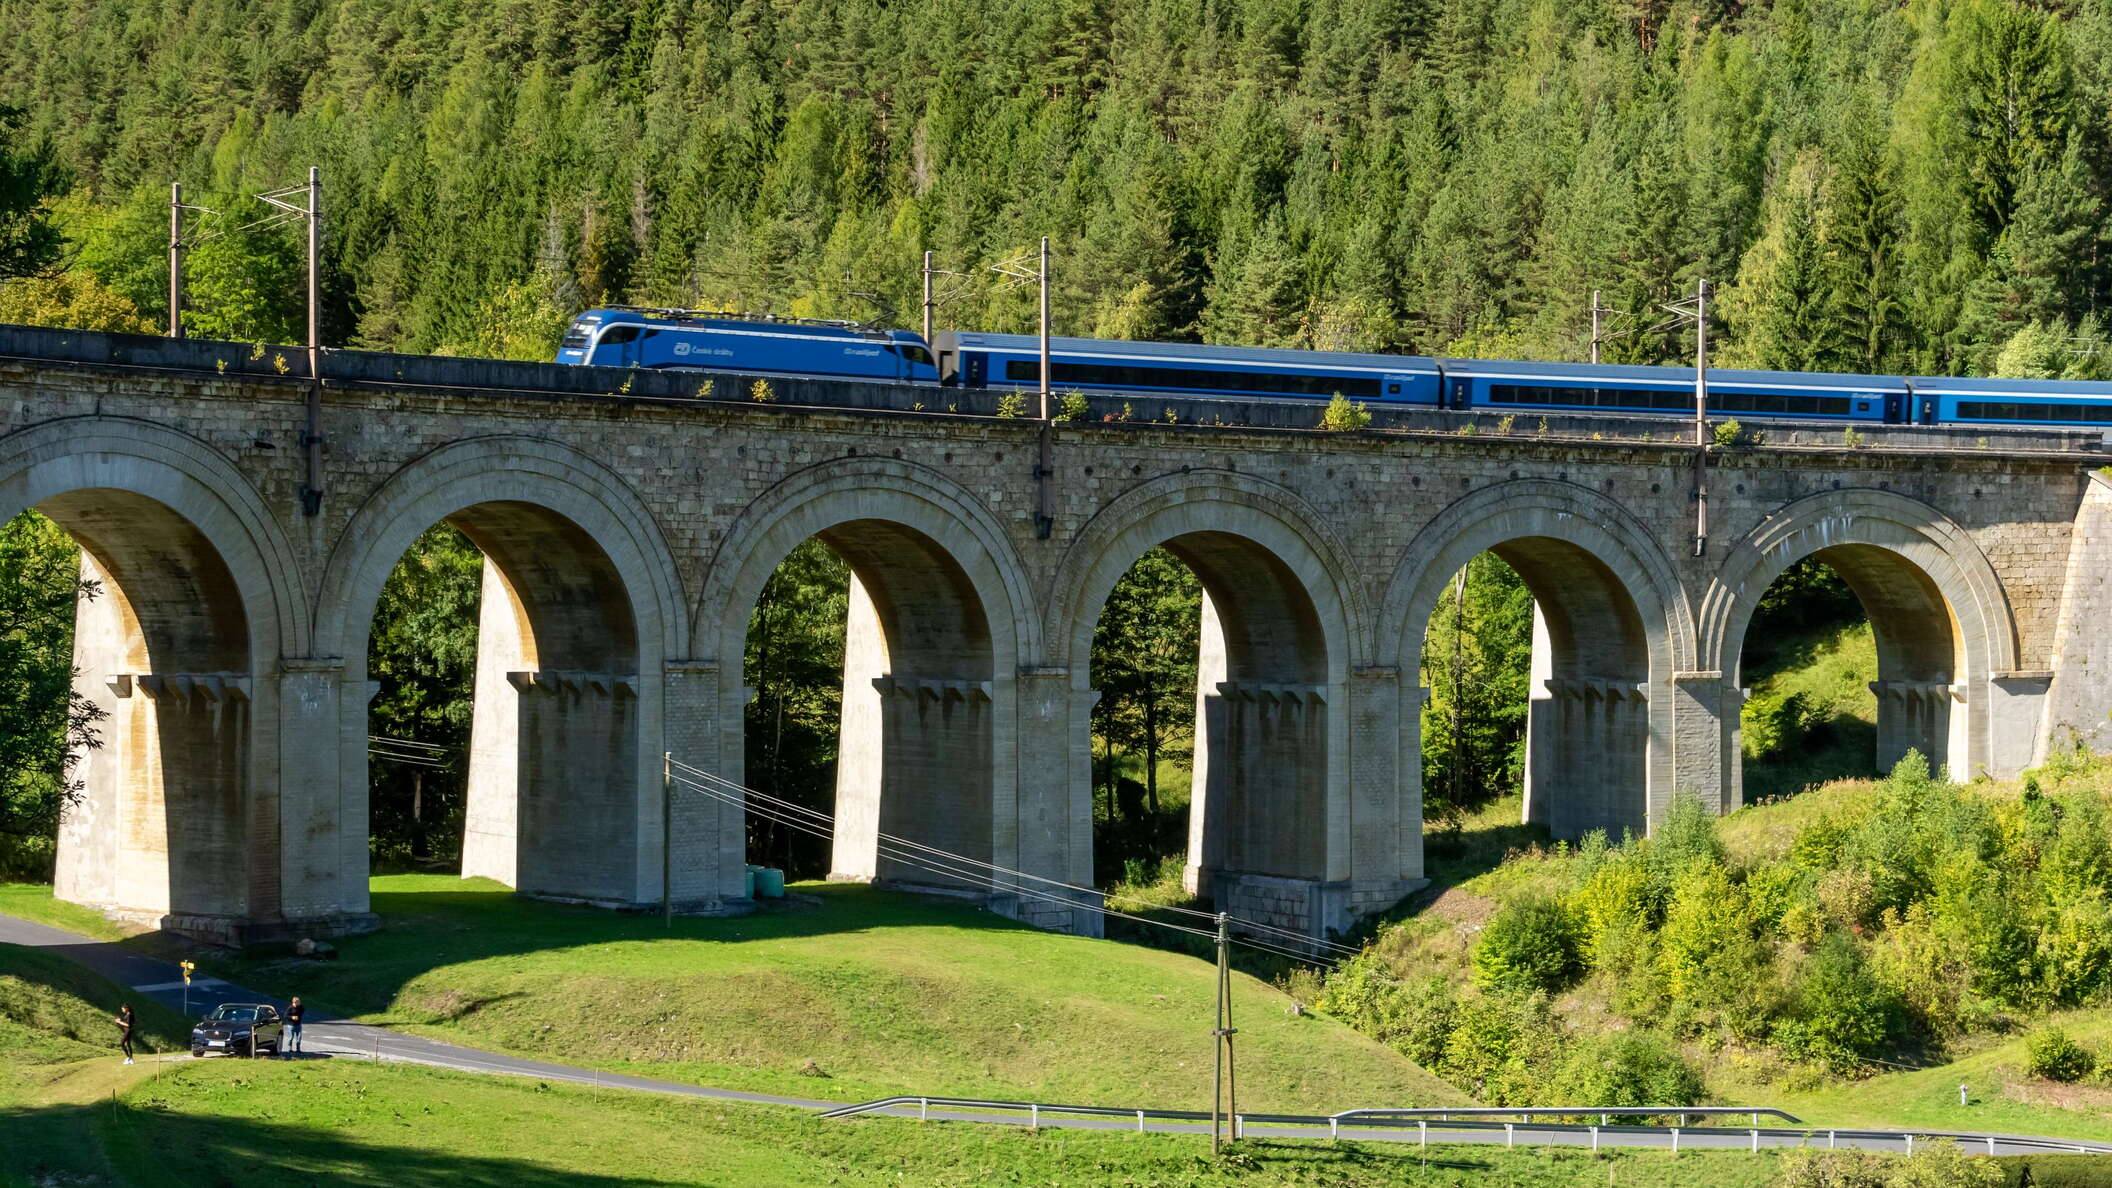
{"x": 1945, "y": 635}
{"x": 582, "y": 609}
{"x": 1270, "y": 820}
{"x": 941, "y": 619}
{"x": 180, "y": 822}
{"x": 1618, "y": 629}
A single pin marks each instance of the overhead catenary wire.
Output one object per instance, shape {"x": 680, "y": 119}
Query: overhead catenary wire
{"x": 939, "y": 867}
{"x": 1289, "y": 935}
{"x": 974, "y": 870}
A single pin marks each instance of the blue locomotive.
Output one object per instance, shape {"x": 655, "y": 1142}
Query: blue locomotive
{"x": 622, "y": 336}
{"x": 626, "y": 336}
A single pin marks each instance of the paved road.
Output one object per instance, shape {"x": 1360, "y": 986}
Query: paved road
{"x": 327, "y": 1036}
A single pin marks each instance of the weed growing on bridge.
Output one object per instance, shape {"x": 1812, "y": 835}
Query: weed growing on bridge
{"x": 761, "y": 392}
{"x": 1730, "y": 435}
{"x": 1503, "y": 427}
{"x": 1012, "y": 405}
{"x": 1073, "y": 407}
{"x": 1852, "y": 438}
{"x": 704, "y": 389}
{"x": 1341, "y": 416}
{"x": 278, "y": 364}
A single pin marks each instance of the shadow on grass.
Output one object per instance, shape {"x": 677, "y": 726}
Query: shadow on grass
{"x": 122, "y": 1142}
{"x": 1844, "y": 747}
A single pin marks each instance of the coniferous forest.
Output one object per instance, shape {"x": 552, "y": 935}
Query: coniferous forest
{"x": 1914, "y": 187}
{"x": 1918, "y": 187}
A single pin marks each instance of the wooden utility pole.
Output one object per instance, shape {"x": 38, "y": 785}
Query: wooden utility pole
{"x": 1226, "y": 1074}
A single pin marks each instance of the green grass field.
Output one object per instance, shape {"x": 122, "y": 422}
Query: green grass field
{"x": 71, "y": 1115}
{"x": 883, "y": 993}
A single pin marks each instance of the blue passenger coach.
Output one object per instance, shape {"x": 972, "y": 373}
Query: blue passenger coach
{"x": 619, "y": 336}
{"x": 978, "y": 360}
{"x": 1494, "y": 383}
{"x": 1952, "y": 401}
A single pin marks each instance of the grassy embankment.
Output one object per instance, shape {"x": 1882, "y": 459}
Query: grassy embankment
{"x": 882, "y": 993}
{"x": 69, "y": 1114}
{"x": 1493, "y": 860}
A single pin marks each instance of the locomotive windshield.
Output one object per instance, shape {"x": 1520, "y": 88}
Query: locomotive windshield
{"x": 916, "y": 354}
{"x": 577, "y": 334}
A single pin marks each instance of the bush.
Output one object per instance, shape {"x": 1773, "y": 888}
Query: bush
{"x": 1532, "y": 944}
{"x": 1415, "y": 1018}
{"x": 1341, "y": 416}
{"x": 1615, "y": 898}
{"x": 1624, "y": 1069}
{"x": 1939, "y": 1164}
{"x": 1840, "y": 1015}
{"x": 2049, "y": 1053}
{"x": 1500, "y": 1048}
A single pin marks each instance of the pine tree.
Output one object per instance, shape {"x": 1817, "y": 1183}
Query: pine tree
{"x": 1863, "y": 224}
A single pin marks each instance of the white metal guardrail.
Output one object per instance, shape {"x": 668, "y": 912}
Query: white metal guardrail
{"x": 1539, "y": 1124}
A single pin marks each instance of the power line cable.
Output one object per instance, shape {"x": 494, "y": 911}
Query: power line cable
{"x": 815, "y": 814}
{"x": 907, "y": 852}
{"x": 1300, "y": 938}
{"x": 932, "y": 866}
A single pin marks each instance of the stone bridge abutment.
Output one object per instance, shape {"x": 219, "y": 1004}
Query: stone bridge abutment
{"x": 629, "y": 530}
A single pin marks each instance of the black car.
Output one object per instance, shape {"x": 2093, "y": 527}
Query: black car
{"x": 244, "y": 1027}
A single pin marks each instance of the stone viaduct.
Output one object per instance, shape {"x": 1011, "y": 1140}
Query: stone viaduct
{"x": 631, "y": 519}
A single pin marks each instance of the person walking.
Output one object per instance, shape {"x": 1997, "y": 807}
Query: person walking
{"x": 124, "y": 1029}
{"x": 293, "y": 1022}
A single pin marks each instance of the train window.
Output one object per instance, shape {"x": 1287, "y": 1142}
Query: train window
{"x": 1115, "y": 375}
{"x": 1789, "y": 404}
{"x": 2007, "y": 410}
{"x": 1590, "y": 397}
{"x": 917, "y": 354}
{"x": 618, "y": 334}
{"x": 578, "y": 332}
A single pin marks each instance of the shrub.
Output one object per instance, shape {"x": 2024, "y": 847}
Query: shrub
{"x": 1500, "y": 1047}
{"x": 1686, "y": 836}
{"x": 1730, "y": 435}
{"x": 1012, "y": 405}
{"x": 1624, "y": 1069}
{"x": 2049, "y": 1053}
{"x": 1616, "y": 895}
{"x": 1935, "y": 1164}
{"x": 1706, "y": 914}
{"x": 1532, "y": 944}
{"x": 2075, "y": 951}
{"x": 1774, "y": 724}
{"x": 1341, "y": 416}
{"x": 1840, "y": 1015}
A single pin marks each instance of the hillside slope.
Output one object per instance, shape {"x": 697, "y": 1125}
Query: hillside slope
{"x": 854, "y": 994}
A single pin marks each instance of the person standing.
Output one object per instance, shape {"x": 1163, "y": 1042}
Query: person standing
{"x": 124, "y": 1029}
{"x": 293, "y": 1022}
